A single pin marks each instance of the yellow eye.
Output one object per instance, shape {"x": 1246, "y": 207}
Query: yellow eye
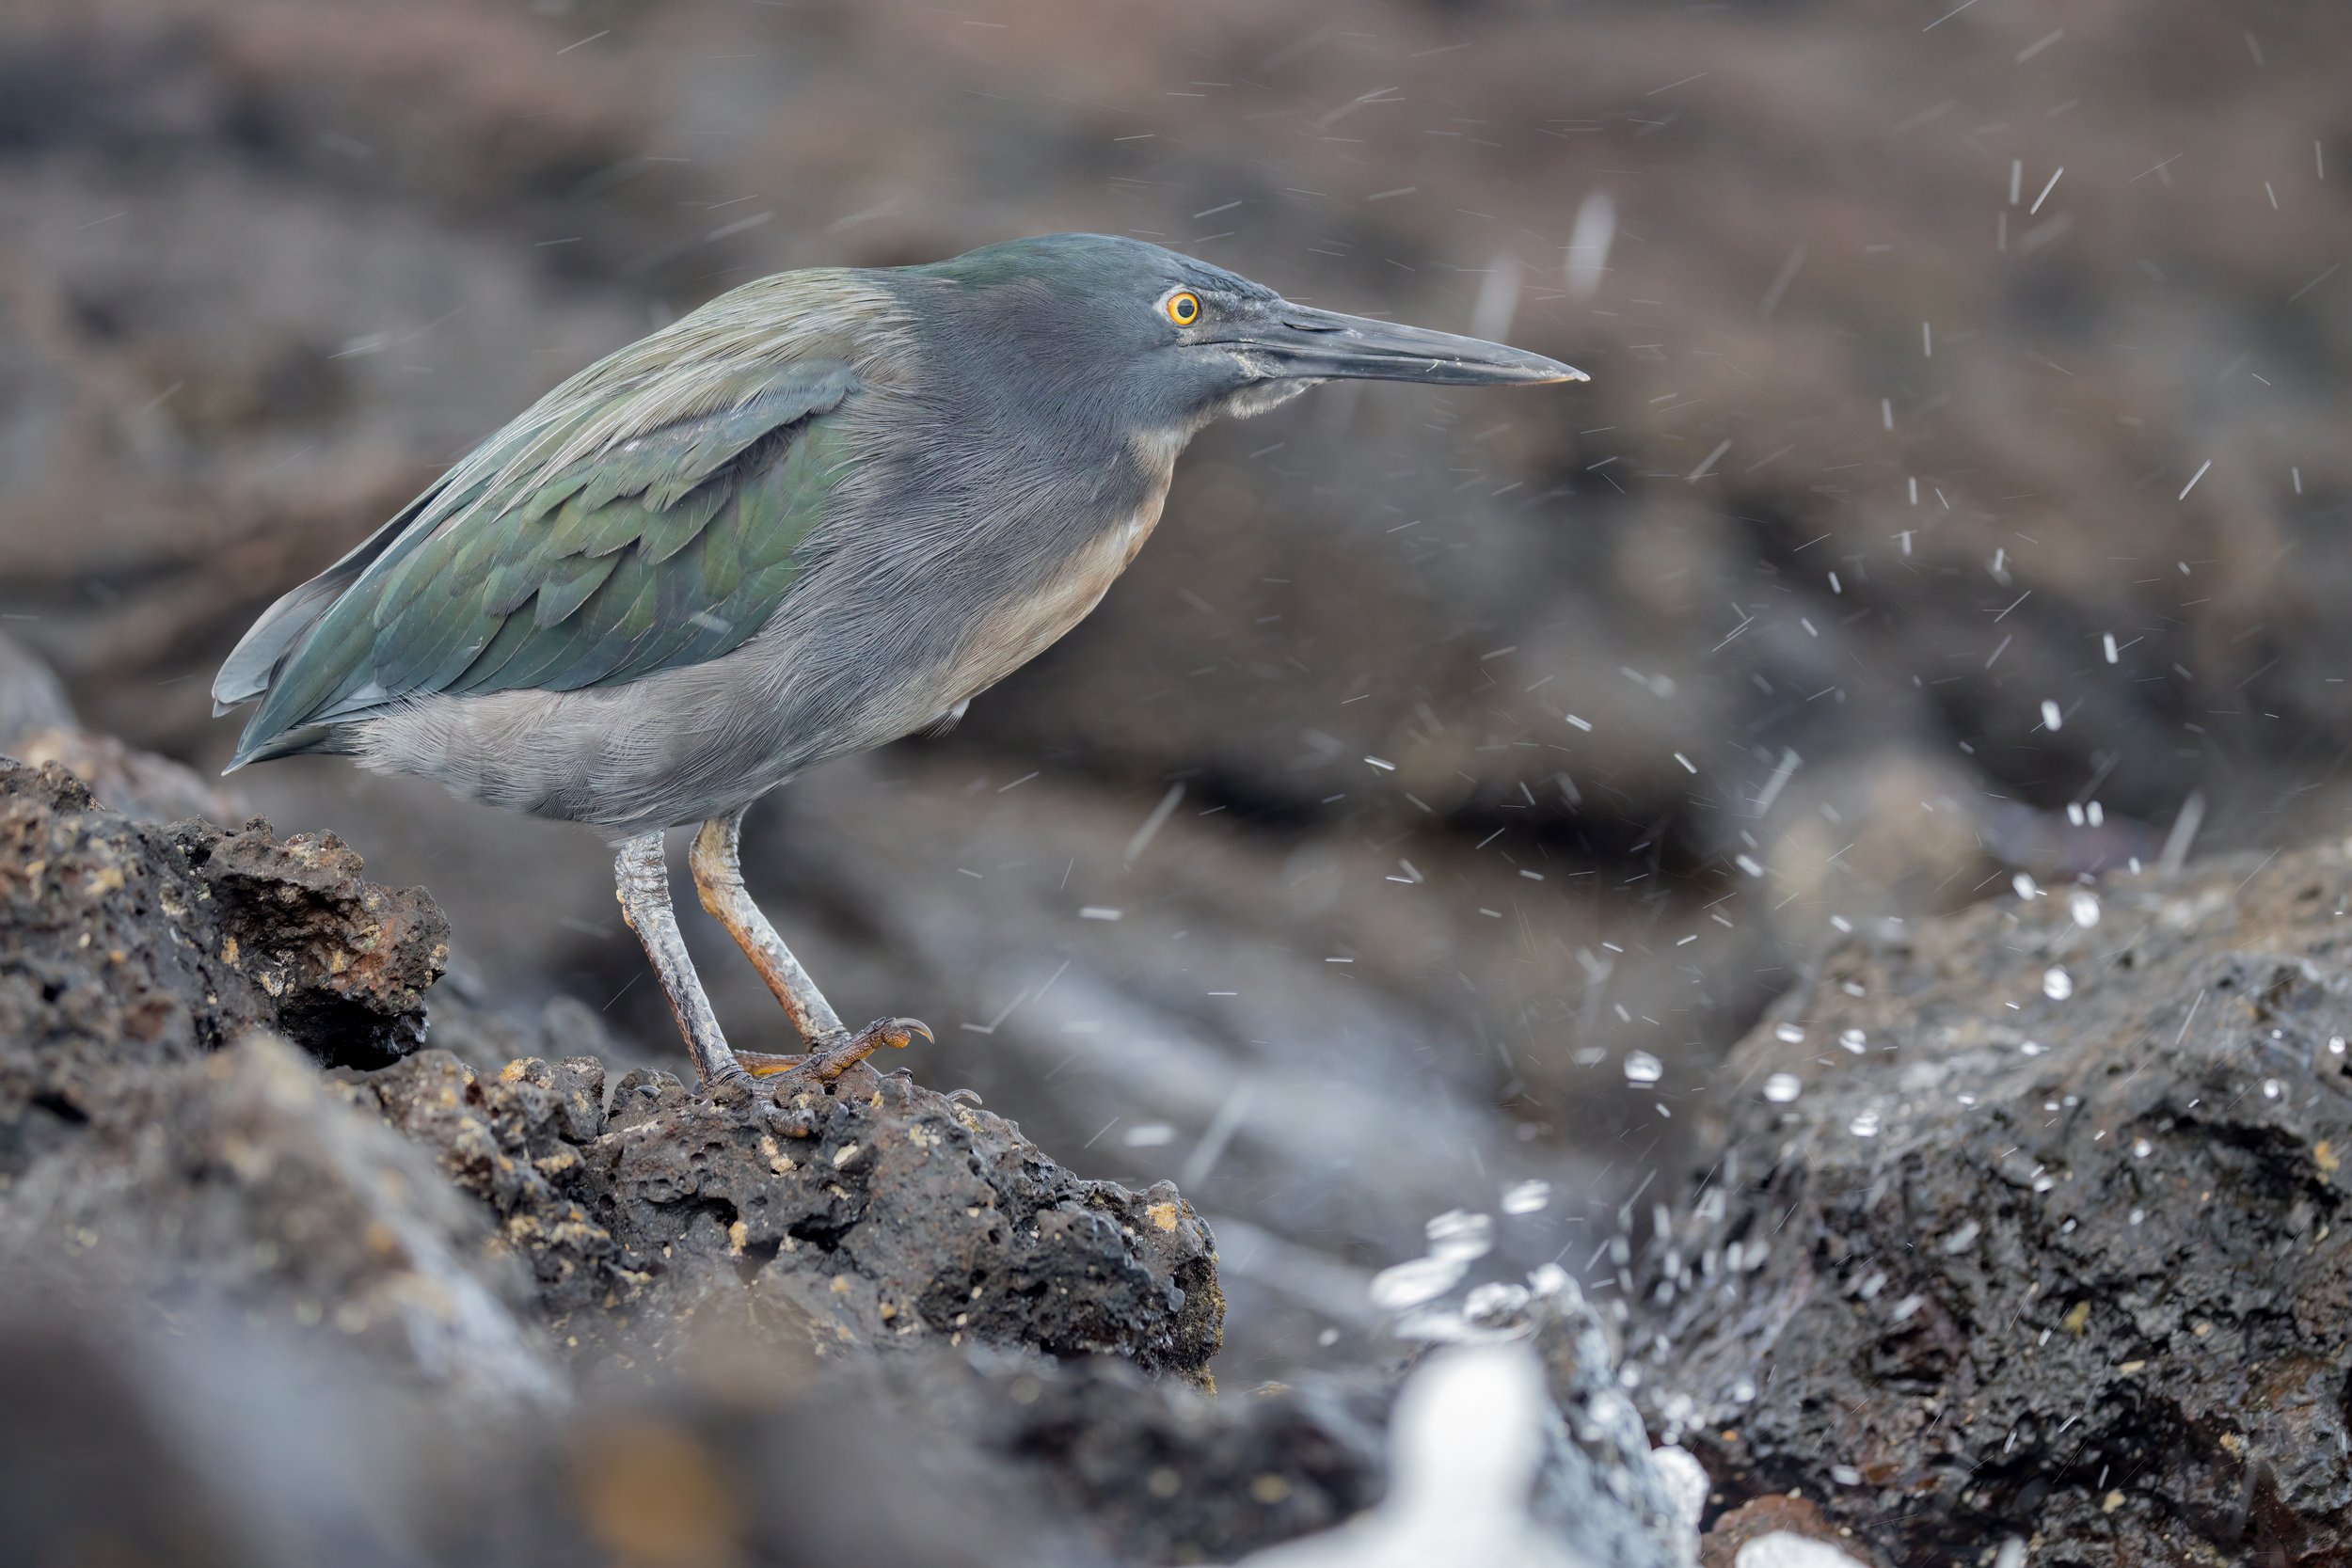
{"x": 1184, "y": 308}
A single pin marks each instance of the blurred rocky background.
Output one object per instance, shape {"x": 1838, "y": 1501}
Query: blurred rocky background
{"x": 1960, "y": 497}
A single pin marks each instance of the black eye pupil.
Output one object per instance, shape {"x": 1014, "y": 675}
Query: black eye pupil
{"x": 1185, "y": 308}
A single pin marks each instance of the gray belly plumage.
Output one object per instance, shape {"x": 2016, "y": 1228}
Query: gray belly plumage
{"x": 858, "y": 657}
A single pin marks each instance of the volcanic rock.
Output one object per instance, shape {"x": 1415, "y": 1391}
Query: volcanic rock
{"x": 2032, "y": 1221}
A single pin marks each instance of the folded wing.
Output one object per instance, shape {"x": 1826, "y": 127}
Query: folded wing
{"x": 612, "y": 531}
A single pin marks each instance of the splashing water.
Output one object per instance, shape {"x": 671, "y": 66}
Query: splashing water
{"x": 1407, "y": 1285}
{"x": 1459, "y": 1236}
{"x": 1526, "y": 1197}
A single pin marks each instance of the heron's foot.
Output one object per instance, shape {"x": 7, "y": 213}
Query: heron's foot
{"x": 729, "y": 1073}
{"x": 835, "y": 1057}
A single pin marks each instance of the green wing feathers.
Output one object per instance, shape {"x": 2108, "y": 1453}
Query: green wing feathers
{"x": 583, "y": 546}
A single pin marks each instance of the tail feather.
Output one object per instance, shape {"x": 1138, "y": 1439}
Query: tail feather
{"x": 255, "y": 661}
{"x": 294, "y": 742}
{"x": 279, "y": 634}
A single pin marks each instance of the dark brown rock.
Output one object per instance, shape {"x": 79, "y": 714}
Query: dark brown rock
{"x": 1774, "y": 1514}
{"x": 2053, "y": 1243}
{"x": 161, "y": 1143}
{"x": 237, "y": 1182}
{"x": 128, "y": 943}
{"x": 878, "y": 1212}
{"x": 1160, "y": 1473}
{"x": 942, "y": 1459}
{"x": 874, "y": 1213}
{"x": 446, "y": 1251}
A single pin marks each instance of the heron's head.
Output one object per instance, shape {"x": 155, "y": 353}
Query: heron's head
{"x": 1145, "y": 339}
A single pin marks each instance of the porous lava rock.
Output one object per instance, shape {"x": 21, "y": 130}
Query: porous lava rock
{"x": 2031, "y": 1222}
{"x": 156, "y": 1134}
{"x": 123, "y": 943}
{"x": 873, "y": 1212}
{"x": 338, "y": 1287}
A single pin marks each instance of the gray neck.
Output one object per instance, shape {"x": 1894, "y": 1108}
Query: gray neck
{"x": 1009, "y": 456}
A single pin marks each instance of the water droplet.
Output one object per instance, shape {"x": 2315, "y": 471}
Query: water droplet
{"x": 2335, "y": 1045}
{"x": 2272, "y": 1088}
{"x": 2025, "y": 886}
{"x": 1854, "y": 1040}
{"x": 1495, "y": 1302}
{"x": 2051, "y": 719}
{"x": 2032, "y": 1047}
{"x": 1643, "y": 1068}
{"x": 1526, "y": 1197}
{"x": 1552, "y": 1281}
{"x": 1782, "y": 1087}
{"x": 1788, "y": 1034}
{"x": 2141, "y": 1148}
{"x": 2085, "y": 909}
{"x": 1393, "y": 1290}
{"x": 1865, "y": 1126}
{"x": 1459, "y": 1235}
{"x": 2056, "y": 984}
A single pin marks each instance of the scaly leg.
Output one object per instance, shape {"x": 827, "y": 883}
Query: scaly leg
{"x": 717, "y": 863}
{"x": 642, "y": 875}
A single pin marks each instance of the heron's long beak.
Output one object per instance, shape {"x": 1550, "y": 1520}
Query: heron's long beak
{"x": 1301, "y": 341}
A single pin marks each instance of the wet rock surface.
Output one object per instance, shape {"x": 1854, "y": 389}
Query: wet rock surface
{"x": 584, "y": 1320}
{"x": 1646, "y": 719}
{"x": 261, "y": 281}
{"x": 142, "y": 969}
{"x": 875, "y": 1213}
{"x": 2032, "y": 1221}
{"x": 165, "y": 995}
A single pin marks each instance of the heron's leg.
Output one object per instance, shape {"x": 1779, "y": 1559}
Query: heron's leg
{"x": 716, "y": 860}
{"x": 717, "y": 863}
{"x": 642, "y": 877}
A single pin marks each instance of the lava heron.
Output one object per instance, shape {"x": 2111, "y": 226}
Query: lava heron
{"x": 823, "y": 511}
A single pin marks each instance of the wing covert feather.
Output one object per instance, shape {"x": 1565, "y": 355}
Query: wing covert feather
{"x": 665, "y": 546}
